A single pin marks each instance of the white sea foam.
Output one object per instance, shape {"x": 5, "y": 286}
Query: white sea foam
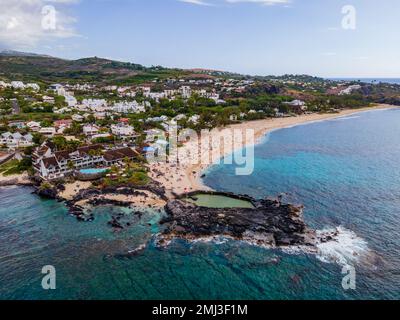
{"x": 9, "y": 187}
{"x": 340, "y": 246}
{"x": 214, "y": 239}
{"x": 345, "y": 118}
{"x": 345, "y": 247}
{"x": 138, "y": 249}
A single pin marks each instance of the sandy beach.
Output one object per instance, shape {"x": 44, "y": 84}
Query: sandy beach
{"x": 150, "y": 200}
{"x": 194, "y": 157}
{"x": 183, "y": 171}
{"x": 72, "y": 189}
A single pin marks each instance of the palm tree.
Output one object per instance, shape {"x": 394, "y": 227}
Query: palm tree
{"x": 92, "y": 153}
{"x": 70, "y": 165}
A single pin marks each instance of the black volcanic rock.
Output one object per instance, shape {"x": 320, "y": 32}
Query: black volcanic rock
{"x": 49, "y": 193}
{"x": 269, "y": 223}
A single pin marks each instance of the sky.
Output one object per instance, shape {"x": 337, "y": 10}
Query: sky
{"x": 329, "y": 38}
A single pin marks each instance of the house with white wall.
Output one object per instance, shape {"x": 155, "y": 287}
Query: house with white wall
{"x": 123, "y": 130}
{"x": 16, "y": 140}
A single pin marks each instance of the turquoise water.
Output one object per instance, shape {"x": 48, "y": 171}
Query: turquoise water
{"x": 345, "y": 171}
{"x": 92, "y": 171}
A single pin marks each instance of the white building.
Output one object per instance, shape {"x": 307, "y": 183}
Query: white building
{"x": 296, "y": 103}
{"x": 17, "y": 85}
{"x": 350, "y": 89}
{"x": 61, "y": 91}
{"x": 33, "y": 126}
{"x": 70, "y": 100}
{"x": 77, "y": 118}
{"x": 4, "y": 84}
{"x": 62, "y": 110}
{"x": 33, "y": 86}
{"x": 16, "y": 140}
{"x": 157, "y": 119}
{"x": 170, "y": 93}
{"x": 58, "y": 89}
{"x": 48, "y": 132}
{"x": 99, "y": 105}
{"x": 186, "y": 92}
{"x": 145, "y": 90}
{"x": 122, "y": 130}
{"x": 52, "y": 165}
{"x": 152, "y": 134}
{"x": 155, "y": 95}
{"x": 90, "y": 129}
{"x": 47, "y": 99}
{"x": 215, "y": 96}
{"x": 130, "y": 107}
{"x": 180, "y": 117}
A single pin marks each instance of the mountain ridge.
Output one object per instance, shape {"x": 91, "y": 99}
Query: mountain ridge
{"x": 17, "y": 65}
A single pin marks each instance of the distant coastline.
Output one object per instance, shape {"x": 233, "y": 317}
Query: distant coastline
{"x": 369, "y": 80}
{"x": 173, "y": 180}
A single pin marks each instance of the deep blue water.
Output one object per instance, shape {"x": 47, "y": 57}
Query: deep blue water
{"x": 370, "y": 80}
{"x": 345, "y": 172}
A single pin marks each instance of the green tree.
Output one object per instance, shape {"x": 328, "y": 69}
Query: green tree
{"x": 38, "y": 138}
{"x": 70, "y": 165}
{"x": 60, "y": 142}
{"x": 46, "y": 123}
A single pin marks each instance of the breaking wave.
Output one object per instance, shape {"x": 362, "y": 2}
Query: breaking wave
{"x": 345, "y": 118}
{"x": 345, "y": 247}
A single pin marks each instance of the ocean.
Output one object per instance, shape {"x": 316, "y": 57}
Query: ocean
{"x": 370, "y": 80}
{"x": 345, "y": 171}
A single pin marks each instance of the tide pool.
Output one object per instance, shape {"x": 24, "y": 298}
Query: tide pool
{"x": 217, "y": 201}
{"x": 345, "y": 171}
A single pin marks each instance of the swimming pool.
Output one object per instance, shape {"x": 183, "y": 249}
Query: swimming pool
{"x": 92, "y": 171}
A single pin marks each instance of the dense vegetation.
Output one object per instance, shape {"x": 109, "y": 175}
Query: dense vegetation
{"x": 34, "y": 68}
{"x": 254, "y": 98}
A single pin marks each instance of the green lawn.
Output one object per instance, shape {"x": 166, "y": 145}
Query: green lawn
{"x": 12, "y": 167}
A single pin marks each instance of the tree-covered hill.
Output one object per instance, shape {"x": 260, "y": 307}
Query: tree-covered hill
{"x": 25, "y": 67}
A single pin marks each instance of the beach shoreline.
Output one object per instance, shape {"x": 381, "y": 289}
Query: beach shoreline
{"x": 184, "y": 176}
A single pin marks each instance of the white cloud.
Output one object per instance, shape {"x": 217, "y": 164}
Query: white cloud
{"x": 21, "y": 22}
{"x": 196, "y": 2}
{"x": 262, "y": 2}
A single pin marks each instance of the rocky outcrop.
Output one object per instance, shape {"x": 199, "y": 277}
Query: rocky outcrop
{"x": 115, "y": 223}
{"x": 103, "y": 201}
{"x": 123, "y": 189}
{"x": 49, "y": 193}
{"x": 11, "y": 182}
{"x": 94, "y": 197}
{"x": 86, "y": 194}
{"x": 17, "y": 182}
{"x": 79, "y": 212}
{"x": 269, "y": 223}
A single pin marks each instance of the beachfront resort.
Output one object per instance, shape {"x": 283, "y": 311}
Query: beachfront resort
{"x": 58, "y": 134}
